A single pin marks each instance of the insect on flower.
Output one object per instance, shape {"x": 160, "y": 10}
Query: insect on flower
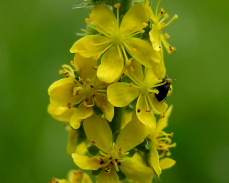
{"x": 164, "y": 89}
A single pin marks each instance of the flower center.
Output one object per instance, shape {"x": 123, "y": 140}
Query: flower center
{"x": 116, "y": 39}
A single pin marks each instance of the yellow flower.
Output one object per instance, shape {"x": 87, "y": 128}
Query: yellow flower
{"x": 74, "y": 176}
{"x": 144, "y": 88}
{"x": 112, "y": 156}
{"x": 115, "y": 41}
{"x": 158, "y": 25}
{"x": 82, "y": 93}
{"x": 162, "y": 142}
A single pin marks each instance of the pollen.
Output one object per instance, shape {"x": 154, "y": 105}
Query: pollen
{"x": 117, "y": 5}
{"x": 166, "y": 36}
{"x": 128, "y": 62}
{"x": 87, "y": 20}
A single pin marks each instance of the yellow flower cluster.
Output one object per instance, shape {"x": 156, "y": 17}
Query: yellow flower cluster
{"x": 113, "y": 97}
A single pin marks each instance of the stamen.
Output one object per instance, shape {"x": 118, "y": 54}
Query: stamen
{"x": 116, "y": 166}
{"x": 139, "y": 110}
{"x": 142, "y": 31}
{"x": 166, "y": 15}
{"x": 96, "y": 57}
{"x": 175, "y": 17}
{"x": 117, "y": 5}
{"x": 144, "y": 24}
{"x": 71, "y": 62}
{"x": 166, "y": 36}
{"x": 95, "y": 68}
{"x": 107, "y": 170}
{"x": 162, "y": 11}
{"x": 87, "y": 20}
{"x": 169, "y": 80}
{"x": 162, "y": 115}
{"x": 132, "y": 68}
{"x": 157, "y": 7}
{"x": 126, "y": 72}
{"x": 92, "y": 95}
{"x": 128, "y": 62}
{"x": 92, "y": 87}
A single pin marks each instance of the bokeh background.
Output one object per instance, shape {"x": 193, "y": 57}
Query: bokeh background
{"x": 35, "y": 38}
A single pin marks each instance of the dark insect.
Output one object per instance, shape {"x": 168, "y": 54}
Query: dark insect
{"x": 163, "y": 89}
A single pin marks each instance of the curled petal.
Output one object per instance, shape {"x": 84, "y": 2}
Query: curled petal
{"x": 154, "y": 160}
{"x": 103, "y": 18}
{"x": 121, "y": 94}
{"x": 98, "y": 131}
{"x": 111, "y": 66}
{"x": 91, "y": 46}
{"x": 61, "y": 93}
{"x": 166, "y": 163}
{"x": 86, "y": 163}
{"x": 131, "y": 135}
{"x": 155, "y": 38}
{"x": 159, "y": 107}
{"x": 134, "y": 19}
{"x": 105, "y": 106}
{"x": 105, "y": 177}
{"x": 60, "y": 113}
{"x": 72, "y": 140}
{"x": 142, "y": 51}
{"x": 163, "y": 122}
{"x": 135, "y": 170}
{"x": 75, "y": 176}
{"x": 80, "y": 113}
{"x": 144, "y": 114}
{"x": 84, "y": 67}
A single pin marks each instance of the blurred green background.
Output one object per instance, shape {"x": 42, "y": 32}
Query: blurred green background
{"x": 35, "y": 40}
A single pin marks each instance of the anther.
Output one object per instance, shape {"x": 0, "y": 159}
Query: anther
{"x": 126, "y": 72}
{"x": 69, "y": 105}
{"x": 128, "y": 62}
{"x": 139, "y": 110}
{"x": 131, "y": 84}
{"x": 132, "y": 68}
{"x": 169, "y": 80}
{"x": 171, "y": 135}
{"x": 166, "y": 15}
{"x": 119, "y": 58}
{"x": 93, "y": 142}
{"x": 162, "y": 115}
{"x": 66, "y": 74}
{"x": 162, "y": 11}
{"x": 117, "y": 5}
{"x": 87, "y": 20}
{"x": 95, "y": 68}
{"x": 107, "y": 170}
{"x": 134, "y": 49}
{"x": 119, "y": 163}
{"x": 111, "y": 163}
{"x": 91, "y": 43}
{"x": 101, "y": 161}
{"x": 120, "y": 149}
{"x": 71, "y": 62}
{"x": 92, "y": 95}
{"x": 148, "y": 110}
{"x": 80, "y": 80}
{"x": 92, "y": 87}
{"x": 111, "y": 158}
{"x": 144, "y": 24}
{"x": 96, "y": 57}
{"x": 142, "y": 31}
{"x": 116, "y": 160}
{"x": 166, "y": 36}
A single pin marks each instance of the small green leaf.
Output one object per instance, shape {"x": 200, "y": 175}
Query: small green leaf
{"x": 126, "y": 79}
{"x": 93, "y": 150}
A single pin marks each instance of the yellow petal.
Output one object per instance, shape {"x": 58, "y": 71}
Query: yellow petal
{"x": 91, "y": 46}
{"x": 86, "y": 163}
{"x": 111, "y": 66}
{"x": 98, "y": 131}
{"x": 60, "y": 113}
{"x": 131, "y": 135}
{"x": 135, "y": 170}
{"x": 61, "y": 93}
{"x": 163, "y": 122}
{"x": 110, "y": 177}
{"x": 121, "y": 94}
{"x": 72, "y": 140}
{"x": 87, "y": 179}
{"x": 81, "y": 148}
{"x": 146, "y": 118}
{"x": 103, "y": 18}
{"x": 159, "y": 107}
{"x": 75, "y": 176}
{"x": 54, "y": 180}
{"x": 84, "y": 67}
{"x": 105, "y": 106}
{"x": 150, "y": 77}
{"x": 81, "y": 113}
{"x": 134, "y": 19}
{"x": 142, "y": 51}
{"x": 154, "y": 160}
{"x": 137, "y": 71}
{"x": 166, "y": 163}
{"x": 159, "y": 69}
{"x": 155, "y": 38}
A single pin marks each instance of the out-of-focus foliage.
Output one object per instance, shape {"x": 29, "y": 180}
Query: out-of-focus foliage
{"x": 35, "y": 40}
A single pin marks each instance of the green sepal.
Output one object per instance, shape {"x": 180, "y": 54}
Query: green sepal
{"x": 99, "y": 61}
{"x": 77, "y": 105}
{"x": 81, "y": 135}
{"x": 96, "y": 172}
{"x": 121, "y": 175}
{"x": 97, "y": 111}
{"x": 132, "y": 153}
{"x": 126, "y": 79}
{"x": 133, "y": 103}
{"x": 93, "y": 150}
{"x": 143, "y": 145}
{"x": 147, "y": 29}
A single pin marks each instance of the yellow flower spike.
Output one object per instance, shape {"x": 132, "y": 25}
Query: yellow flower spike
{"x": 113, "y": 155}
{"x": 158, "y": 25}
{"x": 116, "y": 40}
